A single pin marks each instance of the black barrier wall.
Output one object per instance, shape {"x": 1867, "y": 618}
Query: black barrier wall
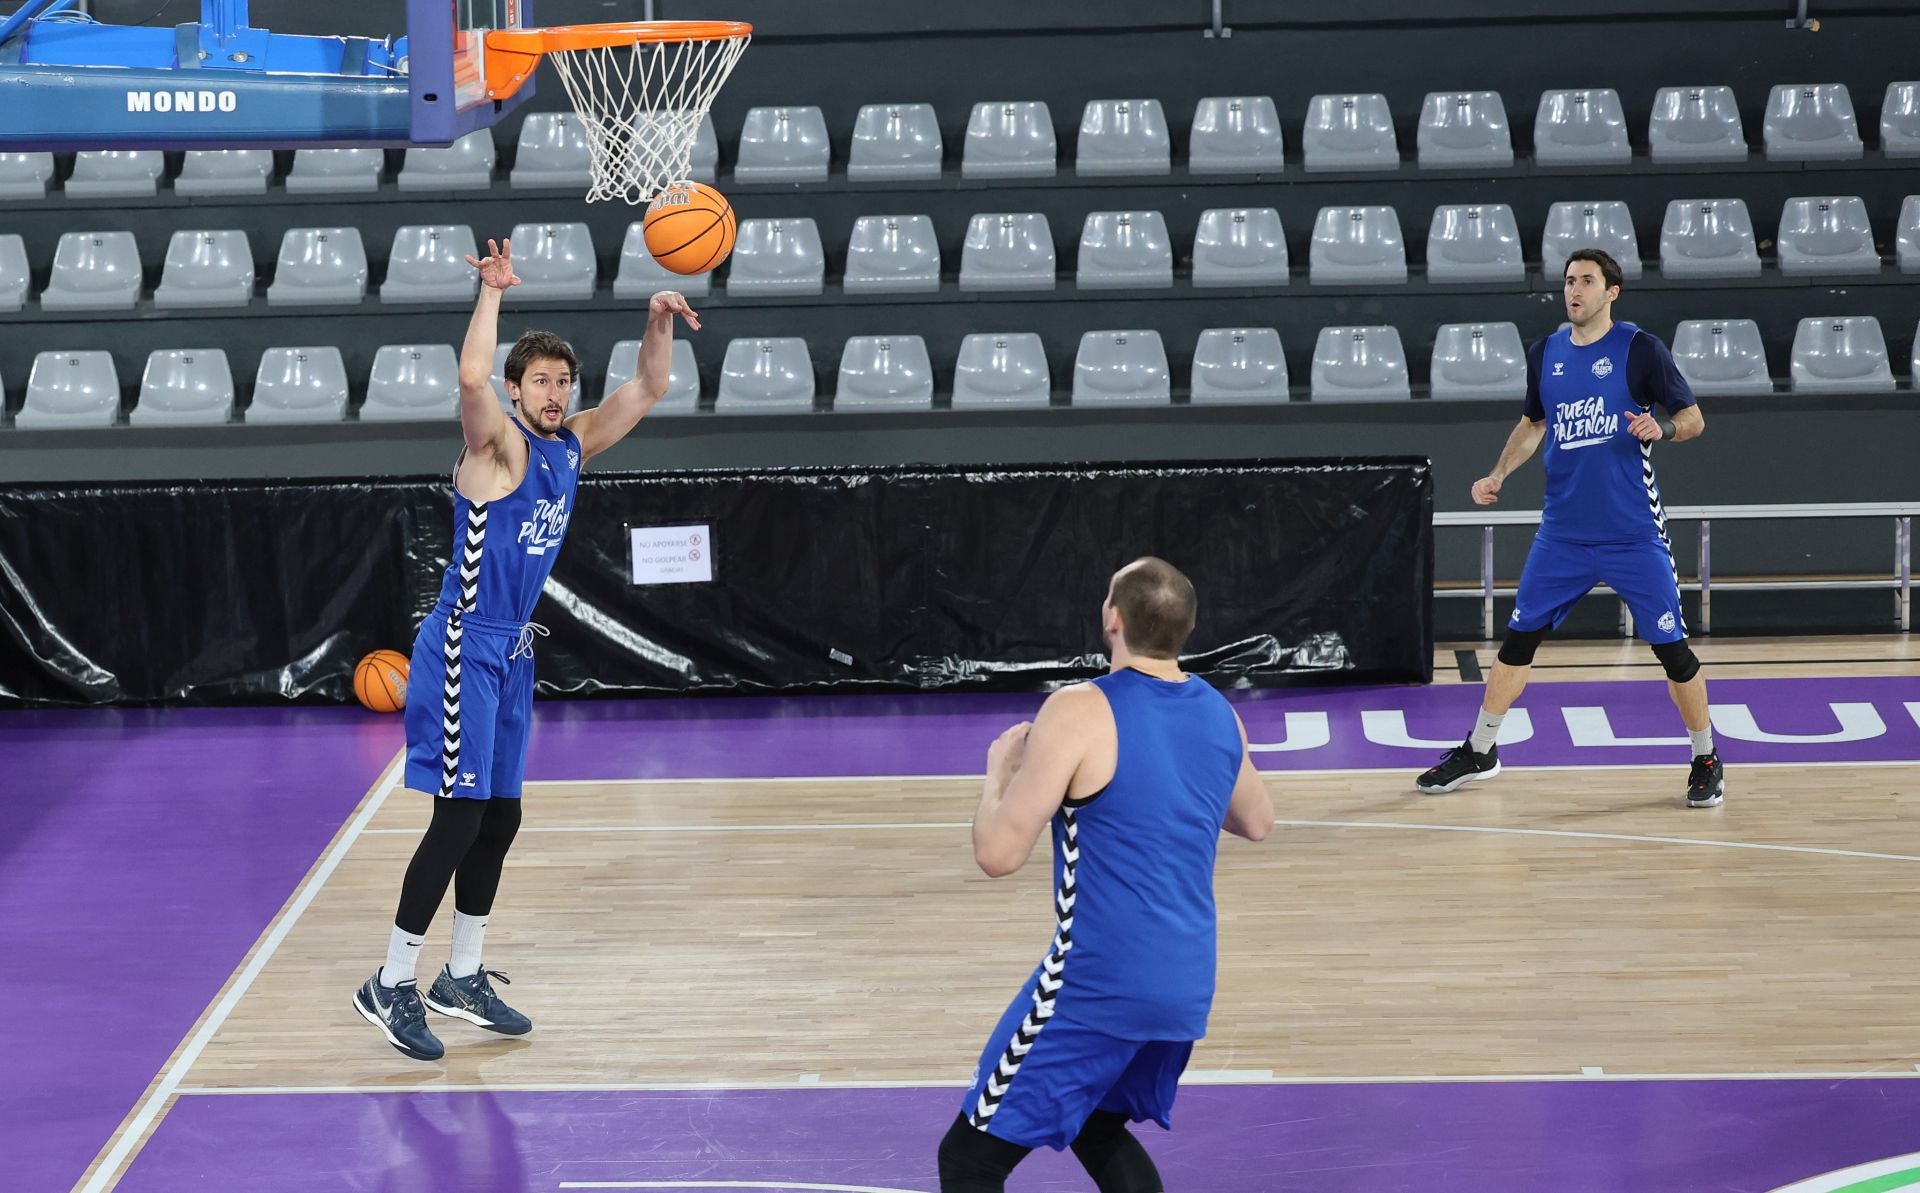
{"x": 822, "y": 579}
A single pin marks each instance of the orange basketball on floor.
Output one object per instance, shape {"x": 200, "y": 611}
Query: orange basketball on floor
{"x": 380, "y": 681}
{"x": 690, "y": 228}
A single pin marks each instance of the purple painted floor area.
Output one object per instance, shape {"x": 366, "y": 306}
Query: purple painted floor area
{"x": 946, "y": 734}
{"x": 141, "y": 854}
{"x": 1520, "y": 1137}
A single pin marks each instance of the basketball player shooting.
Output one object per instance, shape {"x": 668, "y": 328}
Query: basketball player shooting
{"x": 1137, "y": 772}
{"x": 472, "y": 669}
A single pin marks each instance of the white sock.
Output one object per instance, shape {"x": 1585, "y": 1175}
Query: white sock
{"x": 403, "y": 953}
{"x": 1702, "y": 740}
{"x": 468, "y": 932}
{"x": 1485, "y": 730}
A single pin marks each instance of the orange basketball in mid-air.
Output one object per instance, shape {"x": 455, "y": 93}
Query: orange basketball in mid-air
{"x": 380, "y": 681}
{"x": 689, "y": 228}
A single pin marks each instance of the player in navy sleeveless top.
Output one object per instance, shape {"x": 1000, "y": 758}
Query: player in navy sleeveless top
{"x": 1136, "y": 772}
{"x": 470, "y": 691}
{"x": 1592, "y": 390}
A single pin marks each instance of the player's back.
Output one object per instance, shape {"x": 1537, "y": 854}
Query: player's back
{"x": 1141, "y": 963}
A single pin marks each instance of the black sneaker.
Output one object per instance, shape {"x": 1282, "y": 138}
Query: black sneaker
{"x": 1460, "y": 766}
{"x": 396, "y": 1011}
{"x": 1706, "y": 782}
{"x": 472, "y": 998}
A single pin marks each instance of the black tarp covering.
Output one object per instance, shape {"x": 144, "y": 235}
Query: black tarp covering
{"x": 907, "y": 577}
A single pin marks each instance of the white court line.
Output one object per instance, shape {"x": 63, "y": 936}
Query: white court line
{"x": 109, "y": 1168}
{"x": 542, "y": 1087}
{"x": 733, "y": 1185}
{"x": 809, "y": 827}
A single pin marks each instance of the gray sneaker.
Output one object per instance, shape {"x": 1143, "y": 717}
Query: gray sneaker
{"x": 396, "y": 1011}
{"x": 472, "y": 998}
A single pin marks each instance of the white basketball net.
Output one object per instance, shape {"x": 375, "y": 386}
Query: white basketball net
{"x": 641, "y": 106}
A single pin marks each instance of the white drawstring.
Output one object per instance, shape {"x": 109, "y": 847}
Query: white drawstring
{"x": 525, "y": 645}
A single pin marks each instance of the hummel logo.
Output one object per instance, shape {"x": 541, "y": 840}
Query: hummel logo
{"x": 1559, "y": 368}
{"x": 543, "y": 466}
{"x": 467, "y": 780}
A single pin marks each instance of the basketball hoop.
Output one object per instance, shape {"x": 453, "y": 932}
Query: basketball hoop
{"x": 641, "y": 89}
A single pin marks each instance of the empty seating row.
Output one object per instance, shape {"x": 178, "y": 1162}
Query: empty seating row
{"x": 1229, "y": 134}
{"x": 1699, "y": 238}
{"x": 993, "y": 370}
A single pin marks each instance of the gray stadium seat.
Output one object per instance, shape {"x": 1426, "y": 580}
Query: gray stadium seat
{"x": 1845, "y": 354}
{"x": 1475, "y": 243}
{"x": 184, "y": 387}
{"x": 884, "y": 373}
{"x": 1721, "y": 357}
{"x": 1009, "y": 140}
{"x": 782, "y": 145}
{"x": 320, "y": 266}
{"x": 1361, "y": 364}
{"x": 1357, "y": 246}
{"x": 1606, "y": 225}
{"x": 1585, "y": 127}
{"x": 299, "y": 385}
{"x": 224, "y": 172}
{"x": 25, "y": 175}
{"x": 15, "y": 274}
{"x": 1007, "y": 252}
{"x": 336, "y": 171}
{"x": 893, "y": 254}
{"x": 1121, "y": 368}
{"x": 206, "y": 269}
{"x": 1900, "y": 120}
{"x": 641, "y": 277}
{"x": 777, "y": 257}
{"x": 1349, "y": 132}
{"x": 1696, "y": 124}
{"x": 1478, "y": 360}
{"x": 1828, "y": 234}
{"x": 553, "y": 261}
{"x": 552, "y": 152}
{"x": 704, "y": 164}
{"x": 413, "y": 383}
{"x": 683, "y": 377}
{"x": 116, "y": 174}
{"x": 465, "y": 165}
{"x": 1708, "y": 238}
{"x": 429, "y": 264}
{"x": 1123, "y": 136}
{"x": 766, "y": 375}
{"x": 1463, "y": 129}
{"x": 70, "y": 389}
{"x": 1241, "y": 246}
{"x": 93, "y": 271}
{"x": 894, "y": 142}
{"x": 1238, "y": 366}
{"x": 1236, "y": 134}
{"x": 1906, "y": 243}
{"x": 1124, "y": 250}
{"x": 1811, "y": 122}
{"x": 1001, "y": 370}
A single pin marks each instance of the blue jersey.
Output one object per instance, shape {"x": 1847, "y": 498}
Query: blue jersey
{"x": 1133, "y": 866}
{"x": 504, "y": 549}
{"x": 1600, "y": 482}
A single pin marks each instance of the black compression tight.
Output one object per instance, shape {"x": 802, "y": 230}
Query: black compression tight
{"x": 466, "y": 845}
{"x": 972, "y": 1161}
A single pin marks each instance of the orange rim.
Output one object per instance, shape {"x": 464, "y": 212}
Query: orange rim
{"x": 514, "y": 54}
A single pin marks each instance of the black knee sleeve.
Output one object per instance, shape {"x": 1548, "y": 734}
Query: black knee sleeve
{"x": 972, "y": 1161}
{"x": 452, "y": 832}
{"x": 1113, "y": 1157}
{"x": 478, "y": 878}
{"x": 1678, "y": 659}
{"x": 1516, "y": 649}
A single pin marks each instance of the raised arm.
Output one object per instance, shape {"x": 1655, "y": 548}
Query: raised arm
{"x": 482, "y": 422}
{"x": 1029, "y": 770}
{"x": 1250, "y": 812}
{"x": 1522, "y": 442}
{"x": 609, "y": 422}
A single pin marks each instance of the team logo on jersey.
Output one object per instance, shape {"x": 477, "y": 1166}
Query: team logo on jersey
{"x": 1559, "y": 368}
{"x": 1603, "y": 366}
{"x": 547, "y": 526}
{"x": 573, "y": 458}
{"x": 1666, "y": 622}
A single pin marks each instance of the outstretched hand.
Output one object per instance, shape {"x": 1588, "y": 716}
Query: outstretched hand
{"x": 668, "y": 303}
{"x": 497, "y": 269}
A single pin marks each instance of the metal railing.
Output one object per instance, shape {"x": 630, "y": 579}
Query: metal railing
{"x": 1899, "y": 582}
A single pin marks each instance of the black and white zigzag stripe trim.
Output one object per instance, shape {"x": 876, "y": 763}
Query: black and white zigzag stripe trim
{"x": 471, "y": 550}
{"x": 1659, "y": 515}
{"x": 1048, "y": 989}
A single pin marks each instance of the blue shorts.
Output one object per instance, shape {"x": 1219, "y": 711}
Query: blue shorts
{"x": 1070, "y": 1072}
{"x": 1558, "y": 574}
{"x": 469, "y": 707}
